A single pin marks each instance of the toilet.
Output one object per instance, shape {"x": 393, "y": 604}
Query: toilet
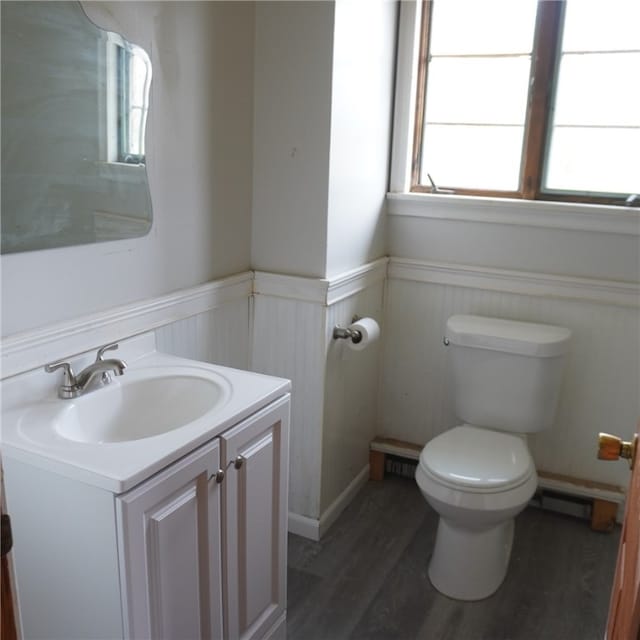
{"x": 478, "y": 476}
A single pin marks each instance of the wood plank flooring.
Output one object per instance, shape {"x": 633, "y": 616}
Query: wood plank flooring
{"x": 367, "y": 578}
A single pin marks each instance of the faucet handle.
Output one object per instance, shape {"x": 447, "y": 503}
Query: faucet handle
{"x": 112, "y": 346}
{"x": 68, "y": 377}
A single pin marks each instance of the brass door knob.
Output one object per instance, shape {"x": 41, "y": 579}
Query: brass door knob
{"x": 613, "y": 448}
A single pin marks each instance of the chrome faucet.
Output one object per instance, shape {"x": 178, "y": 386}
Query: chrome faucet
{"x": 73, "y": 386}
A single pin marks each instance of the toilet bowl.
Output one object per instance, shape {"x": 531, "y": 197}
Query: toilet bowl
{"x": 477, "y": 481}
{"x": 479, "y": 475}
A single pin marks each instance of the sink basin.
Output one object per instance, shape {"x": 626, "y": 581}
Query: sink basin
{"x": 162, "y": 408}
{"x": 139, "y": 405}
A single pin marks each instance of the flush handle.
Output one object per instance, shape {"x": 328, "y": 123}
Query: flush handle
{"x": 613, "y": 448}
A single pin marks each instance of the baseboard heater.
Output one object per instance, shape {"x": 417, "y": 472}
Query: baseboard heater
{"x": 601, "y": 504}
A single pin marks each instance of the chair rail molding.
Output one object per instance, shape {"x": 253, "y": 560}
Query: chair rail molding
{"x": 323, "y": 291}
{"x": 625, "y": 294}
{"x": 25, "y": 351}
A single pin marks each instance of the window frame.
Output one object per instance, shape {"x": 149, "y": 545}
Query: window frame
{"x": 542, "y": 88}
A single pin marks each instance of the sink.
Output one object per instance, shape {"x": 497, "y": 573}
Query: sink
{"x": 140, "y": 404}
{"x": 162, "y": 408}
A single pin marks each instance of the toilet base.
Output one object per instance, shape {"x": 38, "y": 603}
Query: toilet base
{"x": 470, "y": 564}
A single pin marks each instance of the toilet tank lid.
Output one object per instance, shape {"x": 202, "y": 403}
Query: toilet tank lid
{"x": 511, "y": 336}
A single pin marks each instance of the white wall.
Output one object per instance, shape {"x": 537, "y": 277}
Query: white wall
{"x": 292, "y": 116}
{"x": 545, "y": 237}
{"x": 323, "y": 97}
{"x": 362, "y": 96}
{"x": 199, "y": 162}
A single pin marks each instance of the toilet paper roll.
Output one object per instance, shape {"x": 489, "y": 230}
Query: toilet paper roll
{"x": 370, "y": 331}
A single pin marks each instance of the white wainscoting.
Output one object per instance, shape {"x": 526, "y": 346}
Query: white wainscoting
{"x": 219, "y": 335}
{"x": 218, "y": 311}
{"x": 288, "y": 341}
{"x": 602, "y": 379}
{"x": 293, "y": 319}
{"x": 351, "y": 383}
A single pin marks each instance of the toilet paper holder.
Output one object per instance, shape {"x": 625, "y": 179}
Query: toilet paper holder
{"x": 348, "y": 334}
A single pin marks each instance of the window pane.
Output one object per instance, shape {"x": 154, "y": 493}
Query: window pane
{"x": 596, "y": 119}
{"x": 478, "y": 90}
{"x": 598, "y": 88}
{"x": 593, "y": 25}
{"x": 482, "y": 27}
{"x": 473, "y": 157}
{"x": 136, "y": 138}
{"x": 594, "y": 159}
{"x": 138, "y": 80}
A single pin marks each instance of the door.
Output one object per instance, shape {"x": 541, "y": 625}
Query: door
{"x": 8, "y": 623}
{"x": 170, "y": 566}
{"x": 255, "y": 513}
{"x": 624, "y": 608}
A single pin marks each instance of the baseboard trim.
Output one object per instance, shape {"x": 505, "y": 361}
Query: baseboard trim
{"x": 313, "y": 529}
{"x": 626, "y": 294}
{"x": 278, "y": 630}
{"x": 304, "y": 526}
{"x": 342, "y": 501}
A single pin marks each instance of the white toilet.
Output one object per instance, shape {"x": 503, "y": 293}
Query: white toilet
{"x": 478, "y": 476}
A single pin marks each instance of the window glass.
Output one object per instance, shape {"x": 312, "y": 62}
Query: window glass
{"x": 488, "y": 27}
{"x": 594, "y": 160}
{"x": 133, "y": 80}
{"x": 595, "y": 125}
{"x": 486, "y": 157}
{"x": 593, "y": 25}
{"x": 476, "y": 97}
{"x": 530, "y": 98}
{"x": 478, "y": 90}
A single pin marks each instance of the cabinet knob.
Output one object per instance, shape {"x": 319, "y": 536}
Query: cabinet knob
{"x": 238, "y": 462}
{"x": 218, "y": 475}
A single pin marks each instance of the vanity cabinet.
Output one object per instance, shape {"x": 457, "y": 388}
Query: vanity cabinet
{"x": 169, "y": 529}
{"x": 196, "y": 551}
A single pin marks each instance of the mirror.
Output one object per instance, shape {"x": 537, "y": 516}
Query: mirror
{"x": 75, "y": 100}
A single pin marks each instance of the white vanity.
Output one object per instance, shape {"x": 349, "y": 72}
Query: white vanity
{"x": 176, "y": 533}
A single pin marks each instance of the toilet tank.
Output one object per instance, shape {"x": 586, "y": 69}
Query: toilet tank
{"x": 507, "y": 375}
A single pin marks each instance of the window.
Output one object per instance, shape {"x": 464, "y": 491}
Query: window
{"x": 126, "y": 96}
{"x": 537, "y": 100}
{"x": 132, "y": 82}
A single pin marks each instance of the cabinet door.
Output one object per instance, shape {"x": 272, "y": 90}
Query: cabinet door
{"x": 255, "y": 517}
{"x": 169, "y": 538}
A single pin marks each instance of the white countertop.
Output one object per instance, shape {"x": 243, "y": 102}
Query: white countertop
{"x": 28, "y": 435}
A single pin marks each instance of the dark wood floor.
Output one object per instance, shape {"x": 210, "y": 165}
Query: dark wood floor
{"x": 367, "y": 578}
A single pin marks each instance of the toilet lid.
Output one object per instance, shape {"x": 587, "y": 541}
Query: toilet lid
{"x": 477, "y": 458}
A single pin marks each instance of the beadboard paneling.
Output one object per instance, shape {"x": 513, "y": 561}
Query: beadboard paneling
{"x": 601, "y": 385}
{"x": 25, "y": 351}
{"x": 220, "y": 336}
{"x": 332, "y": 413}
{"x": 351, "y": 383}
{"x": 288, "y": 341}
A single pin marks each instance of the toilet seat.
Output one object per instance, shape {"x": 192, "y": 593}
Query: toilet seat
{"x": 470, "y": 459}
